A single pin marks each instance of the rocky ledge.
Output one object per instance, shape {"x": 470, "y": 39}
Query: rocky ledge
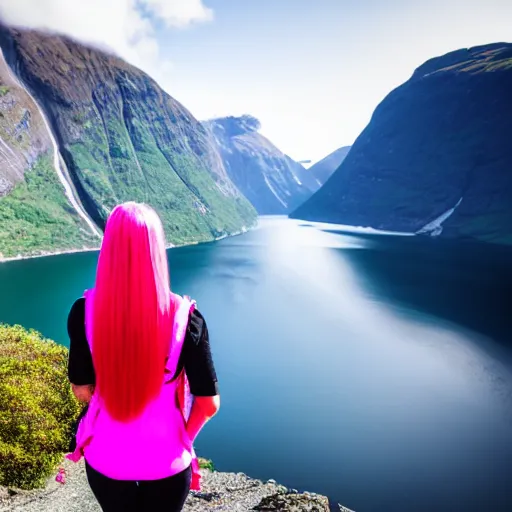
{"x": 221, "y": 492}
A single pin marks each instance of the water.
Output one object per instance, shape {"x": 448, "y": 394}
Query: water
{"x": 374, "y": 369}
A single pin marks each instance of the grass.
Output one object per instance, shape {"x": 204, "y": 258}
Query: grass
{"x": 37, "y": 217}
{"x": 4, "y": 89}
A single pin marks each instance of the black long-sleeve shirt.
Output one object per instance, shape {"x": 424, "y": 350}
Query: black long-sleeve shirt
{"x": 195, "y": 357}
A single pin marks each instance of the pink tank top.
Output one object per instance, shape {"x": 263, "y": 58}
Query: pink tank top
{"x": 156, "y": 444}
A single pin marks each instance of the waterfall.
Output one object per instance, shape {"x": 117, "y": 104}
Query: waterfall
{"x": 58, "y": 162}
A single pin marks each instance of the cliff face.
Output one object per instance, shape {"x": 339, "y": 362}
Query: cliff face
{"x": 35, "y": 213}
{"x": 271, "y": 180}
{"x": 324, "y": 169}
{"x": 23, "y": 135}
{"x": 437, "y": 152}
{"x": 123, "y": 138}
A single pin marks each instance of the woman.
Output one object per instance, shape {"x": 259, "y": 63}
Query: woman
{"x": 135, "y": 351}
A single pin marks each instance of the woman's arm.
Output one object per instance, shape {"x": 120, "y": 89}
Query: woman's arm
{"x": 80, "y": 367}
{"x": 203, "y": 409}
{"x": 201, "y": 374}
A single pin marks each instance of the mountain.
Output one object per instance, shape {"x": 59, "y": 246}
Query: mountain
{"x": 119, "y": 137}
{"x": 271, "y": 180}
{"x": 435, "y": 155}
{"x": 323, "y": 169}
{"x": 35, "y": 213}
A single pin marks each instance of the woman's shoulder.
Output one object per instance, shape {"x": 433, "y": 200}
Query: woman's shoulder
{"x": 76, "y": 318}
{"x": 78, "y": 308}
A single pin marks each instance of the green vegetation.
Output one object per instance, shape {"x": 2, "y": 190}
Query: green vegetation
{"x": 135, "y": 160}
{"x": 206, "y": 464}
{"x": 4, "y": 89}
{"x": 36, "y": 216}
{"x": 37, "y": 407}
{"x": 123, "y": 139}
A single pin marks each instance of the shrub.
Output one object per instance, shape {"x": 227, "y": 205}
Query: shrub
{"x": 37, "y": 407}
{"x": 205, "y": 464}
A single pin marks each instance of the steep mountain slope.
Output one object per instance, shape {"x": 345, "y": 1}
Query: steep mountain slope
{"x": 323, "y": 169}
{"x": 271, "y": 180}
{"x": 437, "y": 152}
{"x": 123, "y": 138}
{"x": 35, "y": 213}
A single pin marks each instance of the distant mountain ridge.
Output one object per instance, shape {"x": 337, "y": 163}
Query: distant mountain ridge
{"x": 323, "y": 169}
{"x": 120, "y": 136}
{"x": 271, "y": 180}
{"x": 435, "y": 157}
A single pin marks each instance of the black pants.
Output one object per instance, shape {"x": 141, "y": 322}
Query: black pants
{"x": 168, "y": 494}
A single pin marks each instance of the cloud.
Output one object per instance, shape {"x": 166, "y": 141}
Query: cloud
{"x": 126, "y": 27}
{"x": 179, "y": 13}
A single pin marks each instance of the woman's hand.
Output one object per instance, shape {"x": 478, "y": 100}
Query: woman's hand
{"x": 83, "y": 393}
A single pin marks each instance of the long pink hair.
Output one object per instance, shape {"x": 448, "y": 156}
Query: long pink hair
{"x": 132, "y": 312}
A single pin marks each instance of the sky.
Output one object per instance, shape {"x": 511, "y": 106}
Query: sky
{"x": 312, "y": 71}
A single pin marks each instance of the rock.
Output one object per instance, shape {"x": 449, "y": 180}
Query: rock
{"x": 231, "y": 492}
{"x": 294, "y": 503}
{"x": 344, "y": 509}
{"x": 207, "y": 496}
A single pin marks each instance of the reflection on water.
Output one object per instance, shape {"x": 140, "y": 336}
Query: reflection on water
{"x": 348, "y": 364}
